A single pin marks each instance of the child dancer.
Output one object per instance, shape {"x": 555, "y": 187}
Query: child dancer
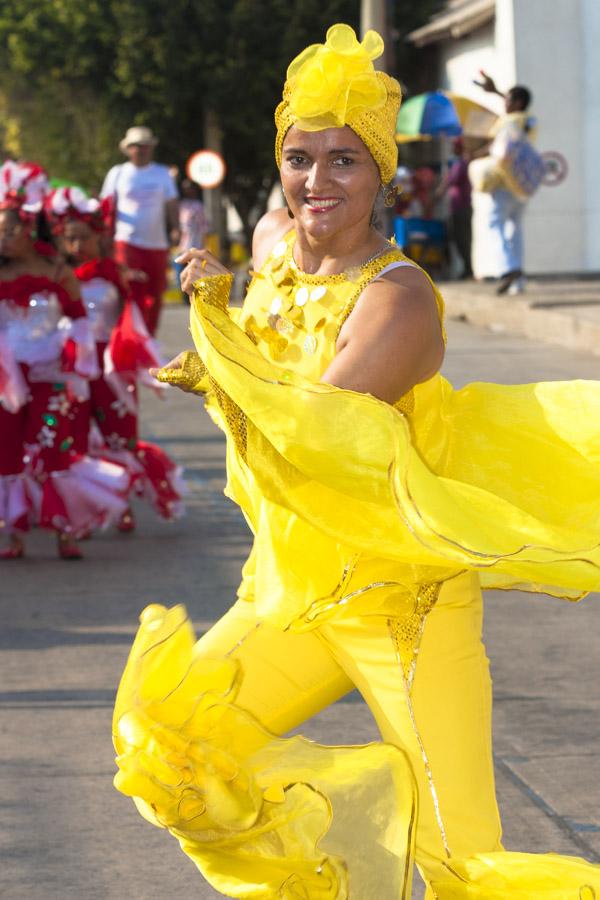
{"x": 124, "y": 352}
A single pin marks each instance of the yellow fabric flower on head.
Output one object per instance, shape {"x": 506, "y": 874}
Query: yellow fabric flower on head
{"x": 328, "y": 81}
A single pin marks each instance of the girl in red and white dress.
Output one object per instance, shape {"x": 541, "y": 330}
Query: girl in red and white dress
{"x": 124, "y": 350}
{"x": 47, "y": 357}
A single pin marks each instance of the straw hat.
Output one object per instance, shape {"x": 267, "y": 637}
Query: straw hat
{"x": 138, "y": 134}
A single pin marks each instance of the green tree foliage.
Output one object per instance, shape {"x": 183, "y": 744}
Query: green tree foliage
{"x": 77, "y": 73}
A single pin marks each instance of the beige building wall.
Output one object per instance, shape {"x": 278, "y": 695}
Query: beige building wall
{"x": 551, "y": 60}
{"x": 461, "y": 60}
{"x": 590, "y": 43}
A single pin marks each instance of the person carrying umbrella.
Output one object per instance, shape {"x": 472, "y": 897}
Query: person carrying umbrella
{"x": 498, "y": 219}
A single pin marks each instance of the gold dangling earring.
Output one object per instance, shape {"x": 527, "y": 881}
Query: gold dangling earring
{"x": 289, "y": 212}
{"x": 389, "y": 195}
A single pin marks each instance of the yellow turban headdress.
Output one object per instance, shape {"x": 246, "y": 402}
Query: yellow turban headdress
{"x": 335, "y": 84}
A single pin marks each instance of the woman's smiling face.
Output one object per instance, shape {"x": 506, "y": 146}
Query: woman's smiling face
{"x": 330, "y": 180}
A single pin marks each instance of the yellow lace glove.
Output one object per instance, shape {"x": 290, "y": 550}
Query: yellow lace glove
{"x": 191, "y": 374}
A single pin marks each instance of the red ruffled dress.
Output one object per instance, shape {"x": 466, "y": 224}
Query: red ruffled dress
{"x": 47, "y": 357}
{"x": 125, "y": 350}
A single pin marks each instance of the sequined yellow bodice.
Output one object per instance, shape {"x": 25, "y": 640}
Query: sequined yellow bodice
{"x": 295, "y": 318}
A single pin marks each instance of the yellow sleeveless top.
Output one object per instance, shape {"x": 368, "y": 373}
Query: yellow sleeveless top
{"x": 295, "y": 318}
{"x": 356, "y": 506}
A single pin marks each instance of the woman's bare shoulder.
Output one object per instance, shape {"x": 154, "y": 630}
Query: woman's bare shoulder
{"x": 398, "y": 310}
{"x": 269, "y": 229}
{"x": 402, "y": 291}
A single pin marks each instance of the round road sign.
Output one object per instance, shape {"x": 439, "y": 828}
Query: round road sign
{"x": 206, "y": 168}
{"x": 556, "y": 168}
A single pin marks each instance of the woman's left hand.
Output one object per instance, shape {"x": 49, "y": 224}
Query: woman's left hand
{"x": 174, "y": 372}
{"x": 198, "y": 264}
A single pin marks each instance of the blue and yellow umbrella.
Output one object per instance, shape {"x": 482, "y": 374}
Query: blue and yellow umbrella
{"x": 438, "y": 113}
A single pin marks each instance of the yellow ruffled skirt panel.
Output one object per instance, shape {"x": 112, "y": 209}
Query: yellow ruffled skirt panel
{"x": 261, "y": 816}
{"x": 268, "y": 817}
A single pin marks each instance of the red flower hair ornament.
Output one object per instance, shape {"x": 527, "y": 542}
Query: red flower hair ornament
{"x": 23, "y": 186}
{"x": 67, "y": 203}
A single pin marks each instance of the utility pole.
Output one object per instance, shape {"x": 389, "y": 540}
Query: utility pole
{"x": 213, "y": 197}
{"x": 373, "y": 15}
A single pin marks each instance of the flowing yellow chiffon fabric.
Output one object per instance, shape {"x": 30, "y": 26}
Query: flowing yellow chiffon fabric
{"x": 512, "y": 488}
{"x": 261, "y": 816}
{"x": 355, "y": 505}
{"x": 520, "y": 876}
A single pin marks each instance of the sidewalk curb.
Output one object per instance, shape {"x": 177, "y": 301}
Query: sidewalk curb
{"x": 521, "y": 316}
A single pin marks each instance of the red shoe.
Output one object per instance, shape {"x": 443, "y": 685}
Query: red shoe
{"x": 126, "y": 522}
{"x": 14, "y": 551}
{"x": 67, "y": 548}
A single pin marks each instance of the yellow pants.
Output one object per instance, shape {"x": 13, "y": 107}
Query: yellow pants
{"x": 443, "y": 723}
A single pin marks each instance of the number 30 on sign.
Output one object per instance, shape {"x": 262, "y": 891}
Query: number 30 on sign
{"x": 206, "y": 168}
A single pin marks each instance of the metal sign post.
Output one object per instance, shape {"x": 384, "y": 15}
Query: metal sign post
{"x": 207, "y": 168}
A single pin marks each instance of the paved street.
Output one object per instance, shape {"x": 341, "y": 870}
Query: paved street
{"x": 65, "y": 834}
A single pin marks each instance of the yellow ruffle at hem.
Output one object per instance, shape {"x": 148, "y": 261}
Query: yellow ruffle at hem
{"x": 520, "y": 876}
{"x": 261, "y": 816}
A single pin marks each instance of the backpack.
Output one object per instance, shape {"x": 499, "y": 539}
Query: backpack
{"x": 522, "y": 168}
{"x": 514, "y": 164}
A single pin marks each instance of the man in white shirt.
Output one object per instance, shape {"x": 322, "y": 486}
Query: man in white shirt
{"x": 147, "y": 217}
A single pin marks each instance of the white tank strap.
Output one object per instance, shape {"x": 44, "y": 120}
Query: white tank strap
{"x": 395, "y": 265}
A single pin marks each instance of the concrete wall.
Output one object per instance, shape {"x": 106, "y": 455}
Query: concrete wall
{"x": 590, "y": 42}
{"x": 552, "y": 61}
{"x": 460, "y": 61}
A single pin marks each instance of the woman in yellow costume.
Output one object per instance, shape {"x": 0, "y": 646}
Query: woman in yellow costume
{"x": 381, "y": 501}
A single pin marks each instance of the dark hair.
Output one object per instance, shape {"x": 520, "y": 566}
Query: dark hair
{"x": 521, "y": 95}
{"x": 187, "y": 183}
{"x": 43, "y": 230}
